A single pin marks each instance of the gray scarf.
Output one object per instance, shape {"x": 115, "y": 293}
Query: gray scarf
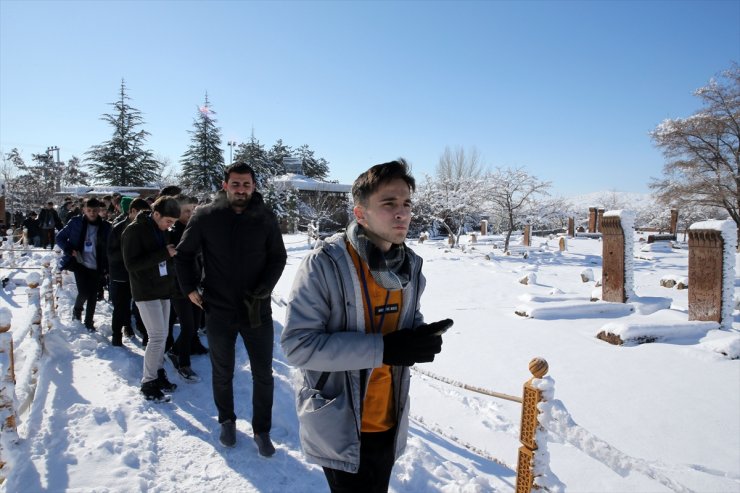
{"x": 392, "y": 269}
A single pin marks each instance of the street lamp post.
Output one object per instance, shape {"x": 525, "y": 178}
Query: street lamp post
{"x": 231, "y": 145}
{"x": 50, "y": 152}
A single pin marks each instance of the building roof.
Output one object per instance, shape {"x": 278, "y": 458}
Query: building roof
{"x": 300, "y": 182}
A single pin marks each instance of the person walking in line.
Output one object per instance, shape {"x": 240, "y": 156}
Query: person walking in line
{"x": 49, "y": 221}
{"x": 187, "y": 313}
{"x": 120, "y": 286}
{"x": 353, "y": 326}
{"x": 147, "y": 255}
{"x": 243, "y": 258}
{"x": 33, "y": 232}
{"x": 84, "y": 242}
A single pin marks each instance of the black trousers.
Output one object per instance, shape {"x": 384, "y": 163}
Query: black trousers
{"x": 87, "y": 291}
{"x": 120, "y": 296}
{"x": 376, "y": 463}
{"x": 222, "y": 349}
{"x": 189, "y": 315}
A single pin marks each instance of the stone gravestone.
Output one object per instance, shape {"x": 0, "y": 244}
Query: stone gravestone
{"x": 707, "y": 272}
{"x": 592, "y": 219}
{"x": 617, "y": 252}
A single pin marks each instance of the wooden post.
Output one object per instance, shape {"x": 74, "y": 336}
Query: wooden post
{"x": 599, "y": 220}
{"x": 8, "y": 421}
{"x": 571, "y": 227}
{"x": 705, "y": 275}
{"x": 674, "y": 222}
{"x": 532, "y": 396}
{"x": 527, "y": 241}
{"x": 613, "y": 275}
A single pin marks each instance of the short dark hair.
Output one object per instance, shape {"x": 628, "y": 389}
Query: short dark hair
{"x": 241, "y": 168}
{"x": 368, "y": 182}
{"x": 166, "y": 206}
{"x": 93, "y": 202}
{"x": 170, "y": 190}
{"x": 140, "y": 205}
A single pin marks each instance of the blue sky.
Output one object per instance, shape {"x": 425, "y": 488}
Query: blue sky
{"x": 568, "y": 90}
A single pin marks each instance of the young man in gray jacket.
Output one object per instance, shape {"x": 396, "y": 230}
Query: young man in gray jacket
{"x": 353, "y": 327}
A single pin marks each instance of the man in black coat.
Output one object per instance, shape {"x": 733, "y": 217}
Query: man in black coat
{"x": 120, "y": 286}
{"x": 243, "y": 258}
{"x": 49, "y": 221}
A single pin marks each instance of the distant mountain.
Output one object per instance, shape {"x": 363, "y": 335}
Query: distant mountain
{"x": 611, "y": 200}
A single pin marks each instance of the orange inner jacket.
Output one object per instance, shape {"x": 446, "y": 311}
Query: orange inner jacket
{"x": 379, "y": 407}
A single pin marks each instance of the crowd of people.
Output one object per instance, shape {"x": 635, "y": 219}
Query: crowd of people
{"x": 353, "y": 323}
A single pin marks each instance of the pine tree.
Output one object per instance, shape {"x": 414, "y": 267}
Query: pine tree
{"x": 313, "y": 167}
{"x": 253, "y": 153}
{"x": 122, "y": 160}
{"x": 74, "y": 174}
{"x": 276, "y": 154}
{"x": 203, "y": 162}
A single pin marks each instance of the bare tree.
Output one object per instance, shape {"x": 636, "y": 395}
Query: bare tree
{"x": 513, "y": 191}
{"x": 703, "y": 150}
{"x": 458, "y": 191}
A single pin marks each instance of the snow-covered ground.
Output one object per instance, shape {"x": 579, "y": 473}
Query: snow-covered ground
{"x": 654, "y": 417}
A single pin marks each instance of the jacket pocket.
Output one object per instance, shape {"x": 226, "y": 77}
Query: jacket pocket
{"x": 328, "y": 428}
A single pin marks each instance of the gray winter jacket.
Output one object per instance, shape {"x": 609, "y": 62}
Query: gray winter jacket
{"x": 325, "y": 332}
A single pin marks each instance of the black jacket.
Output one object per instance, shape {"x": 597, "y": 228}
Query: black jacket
{"x": 144, "y": 246}
{"x": 47, "y": 215}
{"x": 241, "y": 253}
{"x": 116, "y": 267}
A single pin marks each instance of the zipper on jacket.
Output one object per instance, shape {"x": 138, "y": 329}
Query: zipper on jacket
{"x": 358, "y": 420}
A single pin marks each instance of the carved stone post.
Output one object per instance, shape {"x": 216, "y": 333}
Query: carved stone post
{"x": 528, "y": 432}
{"x": 613, "y": 275}
{"x": 571, "y": 227}
{"x": 592, "y": 219}
{"x": 484, "y": 227}
{"x": 674, "y": 222}
{"x": 599, "y": 220}
{"x": 705, "y": 275}
{"x": 527, "y": 241}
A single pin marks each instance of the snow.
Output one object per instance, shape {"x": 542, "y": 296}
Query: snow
{"x": 654, "y": 417}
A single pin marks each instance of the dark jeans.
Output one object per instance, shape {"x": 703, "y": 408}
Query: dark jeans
{"x": 87, "y": 291}
{"x": 47, "y": 238}
{"x": 376, "y": 463}
{"x": 222, "y": 349}
{"x": 189, "y": 315}
{"x": 120, "y": 296}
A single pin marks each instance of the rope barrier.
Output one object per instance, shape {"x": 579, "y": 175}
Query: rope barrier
{"x": 475, "y": 450}
{"x": 465, "y": 386}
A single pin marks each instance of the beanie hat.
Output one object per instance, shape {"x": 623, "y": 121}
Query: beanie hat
{"x": 125, "y": 203}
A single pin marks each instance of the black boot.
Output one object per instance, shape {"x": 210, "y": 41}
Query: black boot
{"x": 164, "y": 384}
{"x": 117, "y": 339}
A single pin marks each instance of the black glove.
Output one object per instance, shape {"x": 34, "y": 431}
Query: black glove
{"x": 435, "y": 328}
{"x": 407, "y": 347}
